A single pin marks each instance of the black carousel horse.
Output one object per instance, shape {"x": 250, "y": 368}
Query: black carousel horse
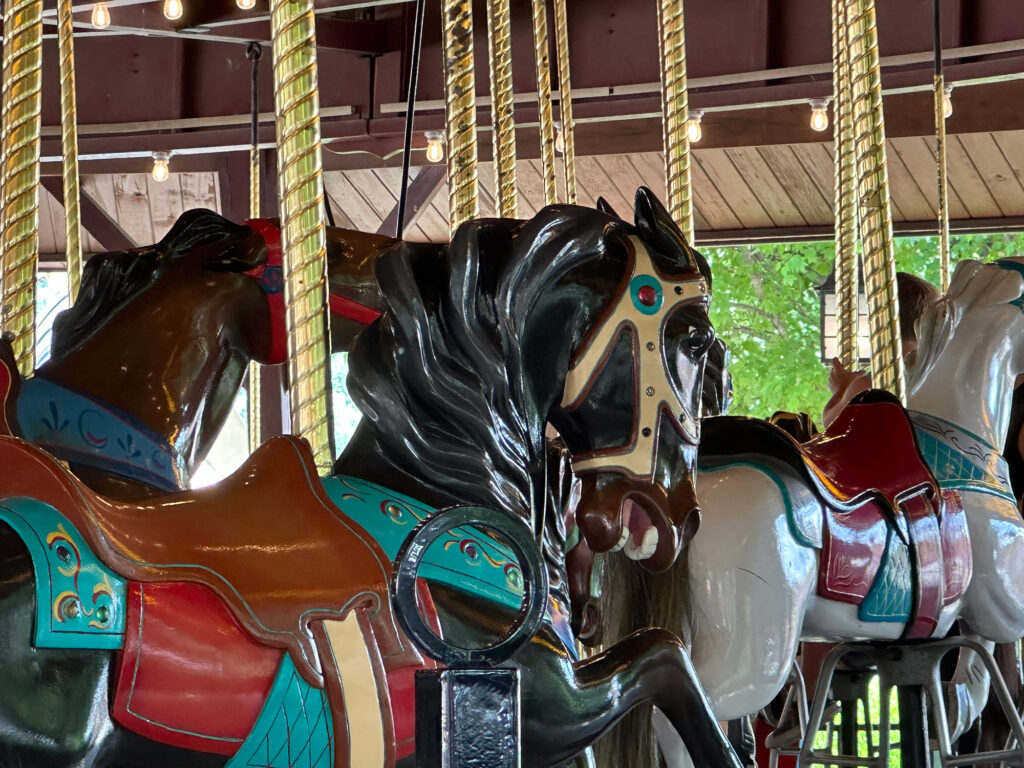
{"x": 480, "y": 345}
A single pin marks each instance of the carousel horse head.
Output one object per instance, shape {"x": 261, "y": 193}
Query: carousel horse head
{"x": 206, "y": 273}
{"x": 574, "y": 317}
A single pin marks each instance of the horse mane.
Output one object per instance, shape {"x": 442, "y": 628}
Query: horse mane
{"x": 442, "y": 372}
{"x": 110, "y": 281}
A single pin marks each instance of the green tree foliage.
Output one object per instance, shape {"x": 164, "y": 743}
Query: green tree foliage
{"x": 767, "y": 310}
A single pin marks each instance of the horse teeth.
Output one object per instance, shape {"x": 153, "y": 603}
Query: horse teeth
{"x": 622, "y": 540}
{"x": 647, "y": 547}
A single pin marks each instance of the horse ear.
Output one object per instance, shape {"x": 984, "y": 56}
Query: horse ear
{"x": 605, "y": 207}
{"x": 651, "y": 217}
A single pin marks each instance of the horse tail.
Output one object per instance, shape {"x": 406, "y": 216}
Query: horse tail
{"x": 633, "y": 598}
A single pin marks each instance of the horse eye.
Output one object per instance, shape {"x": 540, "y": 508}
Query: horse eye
{"x": 701, "y": 340}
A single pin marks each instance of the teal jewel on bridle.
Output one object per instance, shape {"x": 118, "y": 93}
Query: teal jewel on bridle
{"x": 960, "y": 460}
{"x": 82, "y": 430}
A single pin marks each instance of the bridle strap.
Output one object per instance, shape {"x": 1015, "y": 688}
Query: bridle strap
{"x": 270, "y": 277}
{"x": 644, "y": 301}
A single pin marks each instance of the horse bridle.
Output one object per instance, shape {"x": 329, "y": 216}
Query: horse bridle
{"x": 270, "y": 276}
{"x": 643, "y": 303}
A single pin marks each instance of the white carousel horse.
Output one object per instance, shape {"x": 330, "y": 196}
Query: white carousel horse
{"x": 753, "y": 569}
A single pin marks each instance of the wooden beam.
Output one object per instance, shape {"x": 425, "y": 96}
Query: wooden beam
{"x": 95, "y": 220}
{"x": 233, "y": 180}
{"x": 421, "y": 192}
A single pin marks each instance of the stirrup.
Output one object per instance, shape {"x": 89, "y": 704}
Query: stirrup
{"x": 911, "y": 666}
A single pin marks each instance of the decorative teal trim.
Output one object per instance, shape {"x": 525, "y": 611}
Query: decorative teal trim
{"x": 80, "y": 603}
{"x": 294, "y": 728}
{"x": 891, "y": 595}
{"x": 79, "y": 429}
{"x": 646, "y": 281}
{"x": 960, "y": 460}
{"x": 783, "y": 491}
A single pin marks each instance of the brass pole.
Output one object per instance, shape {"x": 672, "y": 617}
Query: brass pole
{"x": 875, "y": 208}
{"x": 565, "y": 101}
{"x": 547, "y": 120}
{"x": 460, "y": 109}
{"x": 69, "y": 142}
{"x": 847, "y": 261}
{"x": 676, "y": 107}
{"x": 499, "y": 43}
{"x": 254, "y": 52}
{"x": 20, "y": 127}
{"x": 303, "y": 231}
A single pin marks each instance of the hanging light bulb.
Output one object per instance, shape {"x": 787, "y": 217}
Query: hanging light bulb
{"x": 819, "y": 114}
{"x": 693, "y": 130}
{"x": 246, "y": 5}
{"x": 161, "y": 166}
{"x": 559, "y": 139}
{"x": 173, "y": 9}
{"x": 100, "y": 15}
{"x": 947, "y": 101}
{"x": 435, "y": 146}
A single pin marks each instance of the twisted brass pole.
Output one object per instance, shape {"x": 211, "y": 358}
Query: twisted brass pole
{"x": 460, "y": 109}
{"x": 254, "y": 52}
{"x": 20, "y": 127}
{"x": 565, "y": 101}
{"x": 875, "y": 207}
{"x": 847, "y": 260}
{"x": 546, "y": 119}
{"x": 499, "y": 44}
{"x": 69, "y": 142}
{"x": 940, "y": 150}
{"x": 303, "y": 231}
{"x": 675, "y": 104}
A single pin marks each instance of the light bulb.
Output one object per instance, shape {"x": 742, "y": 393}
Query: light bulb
{"x": 559, "y": 139}
{"x": 947, "y": 101}
{"x": 173, "y": 9}
{"x": 819, "y": 114}
{"x": 161, "y": 166}
{"x": 246, "y": 5}
{"x": 435, "y": 146}
{"x": 693, "y": 130}
{"x": 100, "y": 15}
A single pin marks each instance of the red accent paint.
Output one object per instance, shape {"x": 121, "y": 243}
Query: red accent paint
{"x": 402, "y": 682}
{"x": 353, "y": 310}
{"x": 647, "y": 295}
{"x": 189, "y": 675}
{"x": 275, "y": 258}
{"x": 851, "y": 554}
{"x": 6, "y": 382}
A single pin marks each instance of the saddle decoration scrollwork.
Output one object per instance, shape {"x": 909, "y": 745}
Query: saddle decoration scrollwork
{"x": 80, "y": 603}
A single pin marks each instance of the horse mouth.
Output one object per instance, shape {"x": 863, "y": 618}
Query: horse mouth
{"x": 640, "y": 536}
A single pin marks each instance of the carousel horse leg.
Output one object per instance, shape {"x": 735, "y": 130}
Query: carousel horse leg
{"x": 967, "y": 691}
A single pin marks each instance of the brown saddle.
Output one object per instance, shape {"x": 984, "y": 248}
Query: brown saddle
{"x": 267, "y": 540}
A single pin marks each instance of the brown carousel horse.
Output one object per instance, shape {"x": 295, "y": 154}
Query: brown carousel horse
{"x": 143, "y": 627}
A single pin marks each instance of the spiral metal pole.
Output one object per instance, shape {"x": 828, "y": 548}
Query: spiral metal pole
{"x": 460, "y": 109}
{"x": 254, "y": 53}
{"x": 847, "y": 263}
{"x": 675, "y": 103}
{"x": 875, "y": 204}
{"x": 940, "y": 153}
{"x": 499, "y": 43}
{"x": 69, "y": 142}
{"x": 565, "y": 101}
{"x": 303, "y": 230}
{"x": 20, "y": 127}
{"x": 547, "y": 121}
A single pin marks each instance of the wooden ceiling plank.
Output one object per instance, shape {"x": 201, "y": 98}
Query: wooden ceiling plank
{"x": 131, "y": 197}
{"x": 487, "y": 190}
{"x": 1011, "y": 144}
{"x": 796, "y": 182}
{"x": 201, "y": 190}
{"x": 531, "y": 186}
{"x": 652, "y": 169}
{"x": 623, "y": 174}
{"x": 919, "y": 158}
{"x": 816, "y": 161}
{"x": 52, "y": 229}
{"x": 994, "y": 169}
{"x": 349, "y": 200}
{"x": 164, "y": 204}
{"x": 713, "y": 206}
{"x": 592, "y": 177}
{"x": 764, "y": 184}
{"x": 907, "y": 198}
{"x": 96, "y": 219}
{"x": 734, "y": 188}
{"x": 968, "y": 183}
